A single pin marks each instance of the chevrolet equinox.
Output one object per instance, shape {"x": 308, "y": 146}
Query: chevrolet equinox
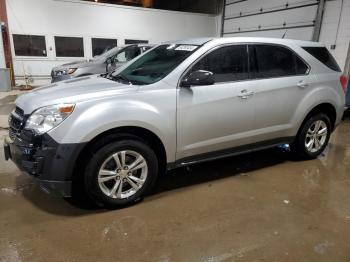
{"x": 109, "y": 136}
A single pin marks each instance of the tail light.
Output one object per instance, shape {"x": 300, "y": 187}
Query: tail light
{"x": 343, "y": 82}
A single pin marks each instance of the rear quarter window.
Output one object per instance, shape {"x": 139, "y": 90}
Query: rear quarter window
{"x": 324, "y": 56}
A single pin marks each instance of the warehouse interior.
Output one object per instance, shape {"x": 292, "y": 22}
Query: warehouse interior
{"x": 266, "y": 205}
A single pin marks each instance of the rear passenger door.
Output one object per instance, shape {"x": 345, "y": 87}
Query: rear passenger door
{"x": 280, "y": 80}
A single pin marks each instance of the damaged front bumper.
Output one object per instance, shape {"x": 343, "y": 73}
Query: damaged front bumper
{"x": 48, "y": 162}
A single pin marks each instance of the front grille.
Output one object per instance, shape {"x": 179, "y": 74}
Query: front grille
{"x": 16, "y": 122}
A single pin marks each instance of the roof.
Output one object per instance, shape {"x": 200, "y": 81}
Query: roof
{"x": 191, "y": 41}
{"x": 201, "y": 41}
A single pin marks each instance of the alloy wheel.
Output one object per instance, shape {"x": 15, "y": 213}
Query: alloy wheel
{"x": 122, "y": 174}
{"x": 316, "y": 136}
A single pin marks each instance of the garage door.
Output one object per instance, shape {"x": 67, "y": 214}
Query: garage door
{"x": 270, "y": 18}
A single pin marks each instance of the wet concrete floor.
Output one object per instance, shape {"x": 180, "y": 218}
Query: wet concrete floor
{"x": 256, "y": 207}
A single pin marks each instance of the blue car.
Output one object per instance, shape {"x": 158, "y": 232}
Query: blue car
{"x": 348, "y": 94}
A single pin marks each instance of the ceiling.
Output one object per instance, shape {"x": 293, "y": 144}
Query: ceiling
{"x": 198, "y": 6}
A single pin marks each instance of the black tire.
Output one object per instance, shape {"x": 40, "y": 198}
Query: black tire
{"x": 299, "y": 144}
{"x": 91, "y": 183}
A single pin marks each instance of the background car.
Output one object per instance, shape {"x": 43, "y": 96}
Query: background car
{"x": 107, "y": 62}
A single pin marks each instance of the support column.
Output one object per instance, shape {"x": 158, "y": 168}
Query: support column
{"x": 6, "y": 38}
{"x": 223, "y": 18}
{"x": 318, "y": 21}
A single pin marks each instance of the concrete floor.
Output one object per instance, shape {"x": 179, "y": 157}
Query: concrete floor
{"x": 257, "y": 207}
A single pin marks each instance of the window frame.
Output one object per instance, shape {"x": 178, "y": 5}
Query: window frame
{"x": 69, "y": 57}
{"x": 28, "y": 57}
{"x": 283, "y": 46}
{"x": 247, "y": 44}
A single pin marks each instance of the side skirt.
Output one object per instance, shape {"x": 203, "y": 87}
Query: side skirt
{"x": 229, "y": 152}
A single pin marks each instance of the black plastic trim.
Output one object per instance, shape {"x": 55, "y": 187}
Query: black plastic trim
{"x": 229, "y": 152}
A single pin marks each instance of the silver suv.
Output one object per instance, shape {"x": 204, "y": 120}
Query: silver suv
{"x": 108, "y": 137}
{"x": 105, "y": 63}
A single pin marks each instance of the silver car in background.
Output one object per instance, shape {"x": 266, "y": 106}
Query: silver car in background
{"x": 104, "y": 63}
{"x": 106, "y": 138}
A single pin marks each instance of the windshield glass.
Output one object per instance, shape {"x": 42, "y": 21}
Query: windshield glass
{"x": 155, "y": 64}
{"x": 108, "y": 53}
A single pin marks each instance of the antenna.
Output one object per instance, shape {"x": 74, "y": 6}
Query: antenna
{"x": 284, "y": 34}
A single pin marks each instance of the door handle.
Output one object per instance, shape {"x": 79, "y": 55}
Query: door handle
{"x": 302, "y": 84}
{"x": 245, "y": 94}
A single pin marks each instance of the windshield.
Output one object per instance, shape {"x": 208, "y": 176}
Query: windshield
{"x": 108, "y": 53}
{"x": 155, "y": 64}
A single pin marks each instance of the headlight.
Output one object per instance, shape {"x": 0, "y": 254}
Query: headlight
{"x": 72, "y": 70}
{"x": 44, "y": 119}
{"x": 61, "y": 72}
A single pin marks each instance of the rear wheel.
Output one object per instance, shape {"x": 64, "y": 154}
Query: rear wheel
{"x": 313, "y": 136}
{"x": 121, "y": 173}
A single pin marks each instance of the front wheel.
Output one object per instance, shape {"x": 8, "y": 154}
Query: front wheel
{"x": 121, "y": 173}
{"x": 313, "y": 137}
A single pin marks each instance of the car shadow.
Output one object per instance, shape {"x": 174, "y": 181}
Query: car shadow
{"x": 219, "y": 169}
{"x": 174, "y": 179}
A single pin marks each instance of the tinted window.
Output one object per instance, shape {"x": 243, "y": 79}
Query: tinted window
{"x": 229, "y": 63}
{"x": 101, "y": 45}
{"x": 274, "y": 61}
{"x": 69, "y": 46}
{"x": 135, "y": 41}
{"x": 323, "y": 55}
{"x": 29, "y": 45}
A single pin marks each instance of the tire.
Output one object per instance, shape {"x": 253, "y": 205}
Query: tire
{"x": 311, "y": 140}
{"x": 127, "y": 162}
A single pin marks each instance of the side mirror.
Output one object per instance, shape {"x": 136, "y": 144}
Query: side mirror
{"x": 198, "y": 78}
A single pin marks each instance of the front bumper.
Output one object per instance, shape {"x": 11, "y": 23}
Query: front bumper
{"x": 48, "y": 162}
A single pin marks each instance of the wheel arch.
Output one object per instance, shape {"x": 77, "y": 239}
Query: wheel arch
{"x": 135, "y": 132}
{"x": 326, "y": 108}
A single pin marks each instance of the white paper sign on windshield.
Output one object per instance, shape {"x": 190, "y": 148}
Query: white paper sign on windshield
{"x": 188, "y": 48}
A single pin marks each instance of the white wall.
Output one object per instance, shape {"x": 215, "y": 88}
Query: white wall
{"x": 329, "y": 29}
{"x": 87, "y": 19}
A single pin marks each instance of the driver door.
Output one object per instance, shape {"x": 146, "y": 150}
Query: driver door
{"x": 220, "y": 116}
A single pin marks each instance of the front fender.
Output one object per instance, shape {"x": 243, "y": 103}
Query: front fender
{"x": 90, "y": 119}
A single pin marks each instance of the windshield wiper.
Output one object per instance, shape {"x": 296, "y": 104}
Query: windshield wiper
{"x": 120, "y": 77}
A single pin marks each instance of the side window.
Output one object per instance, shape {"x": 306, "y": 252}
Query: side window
{"x": 69, "y": 46}
{"x": 229, "y": 63}
{"x": 29, "y": 45}
{"x": 323, "y": 55}
{"x": 268, "y": 61}
{"x": 101, "y": 45}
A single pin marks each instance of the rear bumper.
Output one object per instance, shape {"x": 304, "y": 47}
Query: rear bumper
{"x": 49, "y": 163}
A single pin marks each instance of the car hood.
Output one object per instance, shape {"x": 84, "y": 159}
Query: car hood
{"x": 77, "y": 64}
{"x": 72, "y": 91}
